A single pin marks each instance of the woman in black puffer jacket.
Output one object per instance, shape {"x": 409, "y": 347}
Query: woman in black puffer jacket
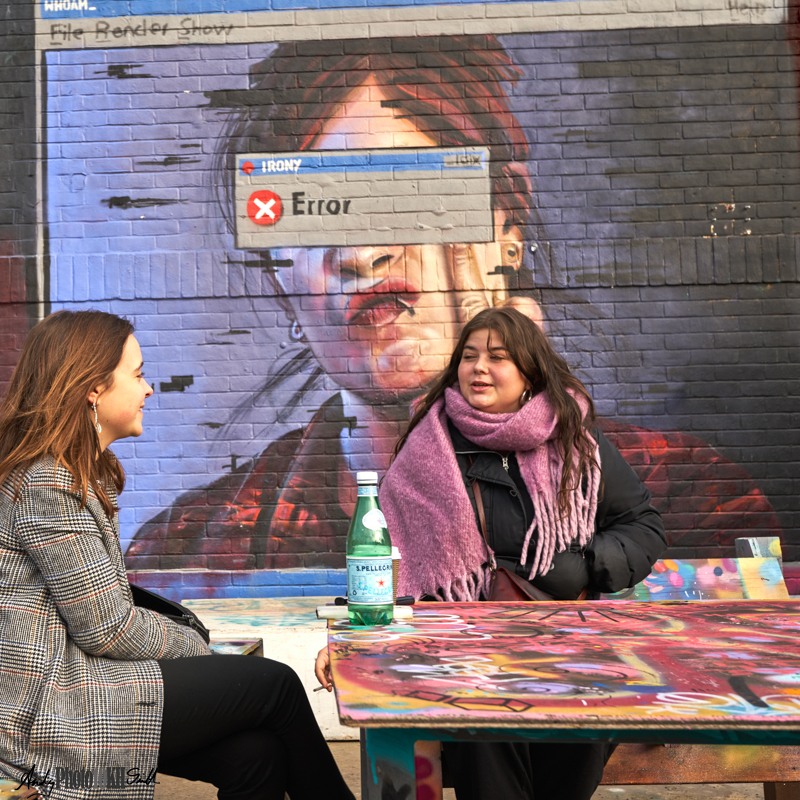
{"x": 555, "y": 503}
{"x": 628, "y": 532}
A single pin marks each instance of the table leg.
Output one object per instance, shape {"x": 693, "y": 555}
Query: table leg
{"x": 387, "y": 764}
{"x": 428, "y": 767}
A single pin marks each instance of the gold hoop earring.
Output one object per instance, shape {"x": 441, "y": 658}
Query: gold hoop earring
{"x": 525, "y": 397}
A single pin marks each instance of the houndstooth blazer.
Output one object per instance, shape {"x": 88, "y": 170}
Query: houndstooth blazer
{"x": 80, "y": 689}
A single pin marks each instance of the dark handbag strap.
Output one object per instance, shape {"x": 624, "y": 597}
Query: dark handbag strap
{"x": 479, "y": 503}
{"x": 476, "y": 491}
{"x": 144, "y": 598}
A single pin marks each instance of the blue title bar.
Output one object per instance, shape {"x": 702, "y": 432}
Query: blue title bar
{"x": 362, "y": 161}
{"x": 77, "y": 9}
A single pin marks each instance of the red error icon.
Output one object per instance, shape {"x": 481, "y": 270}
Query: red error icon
{"x": 264, "y": 207}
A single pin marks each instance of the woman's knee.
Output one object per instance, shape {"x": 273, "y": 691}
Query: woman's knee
{"x": 273, "y": 688}
{"x": 282, "y": 674}
{"x": 256, "y": 673}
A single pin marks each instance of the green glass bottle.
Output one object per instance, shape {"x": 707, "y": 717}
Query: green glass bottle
{"x": 369, "y": 558}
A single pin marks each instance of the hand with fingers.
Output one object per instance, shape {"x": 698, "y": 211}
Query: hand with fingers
{"x": 322, "y": 669}
{"x": 479, "y": 284}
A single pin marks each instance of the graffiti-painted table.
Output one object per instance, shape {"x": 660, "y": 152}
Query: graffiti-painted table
{"x": 713, "y": 672}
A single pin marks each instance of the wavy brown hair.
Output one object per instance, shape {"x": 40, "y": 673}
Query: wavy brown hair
{"x": 45, "y": 411}
{"x": 547, "y": 371}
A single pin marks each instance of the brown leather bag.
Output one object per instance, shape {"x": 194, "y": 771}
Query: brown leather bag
{"x": 506, "y": 585}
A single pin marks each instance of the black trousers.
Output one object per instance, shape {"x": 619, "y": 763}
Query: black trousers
{"x": 521, "y": 771}
{"x": 244, "y": 724}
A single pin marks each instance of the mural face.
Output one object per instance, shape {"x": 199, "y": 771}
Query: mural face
{"x": 381, "y": 321}
{"x": 391, "y": 311}
{"x": 648, "y": 228}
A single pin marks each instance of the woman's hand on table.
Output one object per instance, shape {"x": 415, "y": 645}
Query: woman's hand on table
{"x": 322, "y": 669}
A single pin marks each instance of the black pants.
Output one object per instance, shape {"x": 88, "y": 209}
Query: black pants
{"x": 520, "y": 771}
{"x": 244, "y": 724}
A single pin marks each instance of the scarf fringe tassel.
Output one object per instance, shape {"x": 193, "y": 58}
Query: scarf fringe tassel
{"x": 556, "y": 533}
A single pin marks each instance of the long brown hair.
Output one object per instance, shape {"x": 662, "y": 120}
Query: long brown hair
{"x": 546, "y": 371}
{"x": 45, "y": 411}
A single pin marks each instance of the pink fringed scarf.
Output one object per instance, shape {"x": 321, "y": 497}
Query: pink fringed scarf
{"x": 429, "y": 514}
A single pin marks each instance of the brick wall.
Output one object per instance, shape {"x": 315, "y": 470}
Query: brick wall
{"x": 17, "y": 182}
{"x": 663, "y": 154}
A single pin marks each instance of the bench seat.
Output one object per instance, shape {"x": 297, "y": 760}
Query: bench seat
{"x": 9, "y": 790}
{"x": 643, "y": 764}
{"x": 242, "y": 647}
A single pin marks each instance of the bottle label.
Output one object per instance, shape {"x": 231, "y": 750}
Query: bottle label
{"x": 367, "y": 491}
{"x": 374, "y": 520}
{"x": 369, "y": 580}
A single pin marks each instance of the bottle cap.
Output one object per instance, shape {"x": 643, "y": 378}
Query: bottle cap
{"x": 366, "y": 478}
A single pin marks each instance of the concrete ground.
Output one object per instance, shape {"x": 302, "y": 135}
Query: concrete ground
{"x": 347, "y": 756}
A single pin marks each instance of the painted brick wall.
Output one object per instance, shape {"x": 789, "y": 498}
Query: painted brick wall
{"x": 662, "y": 150}
{"x": 17, "y": 181}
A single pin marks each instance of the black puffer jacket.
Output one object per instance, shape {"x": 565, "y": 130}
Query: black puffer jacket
{"x": 628, "y": 533}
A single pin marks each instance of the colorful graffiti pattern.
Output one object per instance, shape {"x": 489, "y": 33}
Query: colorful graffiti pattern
{"x": 710, "y": 579}
{"x": 627, "y": 664}
{"x": 243, "y": 647}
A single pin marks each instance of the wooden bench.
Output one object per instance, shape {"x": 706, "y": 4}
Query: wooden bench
{"x": 237, "y": 647}
{"x": 778, "y": 768}
{"x": 10, "y": 790}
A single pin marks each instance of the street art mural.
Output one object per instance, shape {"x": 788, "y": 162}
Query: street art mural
{"x": 721, "y": 664}
{"x": 299, "y": 210}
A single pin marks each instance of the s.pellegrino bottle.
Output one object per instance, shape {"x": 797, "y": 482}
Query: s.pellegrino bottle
{"x": 369, "y": 558}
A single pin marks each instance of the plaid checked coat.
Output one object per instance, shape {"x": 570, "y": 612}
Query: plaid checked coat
{"x": 79, "y": 685}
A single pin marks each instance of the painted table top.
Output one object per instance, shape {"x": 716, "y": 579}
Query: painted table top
{"x": 608, "y": 664}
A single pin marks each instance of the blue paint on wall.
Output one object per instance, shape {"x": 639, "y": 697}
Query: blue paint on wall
{"x": 77, "y": 9}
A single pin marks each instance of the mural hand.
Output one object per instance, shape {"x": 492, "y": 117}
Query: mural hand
{"x": 527, "y": 306}
{"x": 477, "y": 289}
{"x": 469, "y": 280}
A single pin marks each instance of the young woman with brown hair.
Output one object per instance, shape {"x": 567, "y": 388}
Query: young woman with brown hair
{"x": 556, "y": 504}
{"x": 96, "y": 693}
